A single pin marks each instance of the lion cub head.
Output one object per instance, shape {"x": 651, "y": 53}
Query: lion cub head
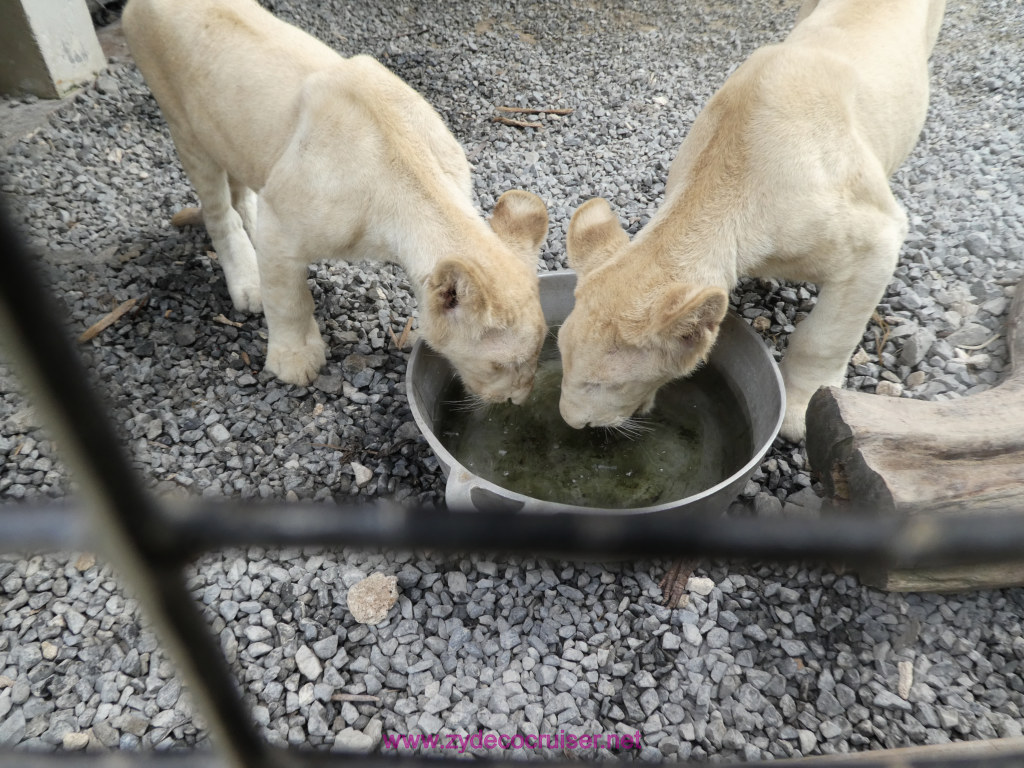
{"x": 633, "y": 327}
{"x": 482, "y": 303}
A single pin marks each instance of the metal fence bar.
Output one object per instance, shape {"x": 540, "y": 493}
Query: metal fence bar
{"x": 848, "y": 539}
{"x": 127, "y": 519}
{"x": 998, "y": 753}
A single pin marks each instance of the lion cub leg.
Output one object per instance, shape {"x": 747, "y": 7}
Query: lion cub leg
{"x": 295, "y": 349}
{"x": 225, "y": 226}
{"x": 820, "y": 347}
{"x": 243, "y": 200}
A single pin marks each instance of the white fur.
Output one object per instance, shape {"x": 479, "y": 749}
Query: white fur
{"x": 308, "y": 156}
{"x": 783, "y": 174}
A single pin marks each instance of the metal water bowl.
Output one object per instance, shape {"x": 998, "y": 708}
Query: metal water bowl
{"x": 739, "y": 355}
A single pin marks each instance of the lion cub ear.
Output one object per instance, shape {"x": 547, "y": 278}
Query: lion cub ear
{"x": 520, "y": 219}
{"x": 595, "y": 235}
{"x": 677, "y": 318}
{"x": 454, "y": 289}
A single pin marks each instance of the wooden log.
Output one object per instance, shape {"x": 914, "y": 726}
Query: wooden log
{"x": 901, "y": 456}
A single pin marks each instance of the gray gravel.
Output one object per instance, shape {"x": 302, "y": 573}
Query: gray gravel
{"x": 763, "y": 661}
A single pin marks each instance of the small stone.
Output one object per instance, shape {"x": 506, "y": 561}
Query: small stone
{"x": 326, "y": 648}
{"x": 375, "y": 730}
{"x": 671, "y": 641}
{"x": 916, "y": 347}
{"x": 457, "y": 583}
{"x": 168, "y": 695}
{"x": 977, "y": 244}
{"x": 971, "y": 335}
{"x": 105, "y": 734}
{"x": 996, "y": 306}
{"x": 351, "y": 740}
{"x": 916, "y": 379}
{"x": 75, "y": 741}
{"x": 219, "y": 434}
{"x": 330, "y": 384}
{"x": 12, "y": 727}
{"x": 860, "y": 357}
{"x": 85, "y": 561}
{"x": 645, "y": 680}
{"x": 307, "y": 663}
{"x": 316, "y": 723}
{"x": 185, "y": 335}
{"x": 806, "y": 499}
{"x": 761, "y": 323}
{"x": 808, "y": 741}
{"x": 256, "y": 634}
{"x": 906, "y": 679}
{"x": 363, "y": 474}
{"x": 256, "y": 650}
{"x": 889, "y": 700}
{"x": 229, "y": 610}
{"x": 767, "y": 504}
{"x": 890, "y": 388}
{"x": 107, "y": 85}
{"x": 700, "y": 585}
{"x": 545, "y": 674}
{"x": 20, "y": 692}
{"x": 372, "y": 598}
{"x": 48, "y": 649}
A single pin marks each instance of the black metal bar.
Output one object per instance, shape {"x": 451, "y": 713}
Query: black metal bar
{"x": 855, "y": 540}
{"x": 127, "y": 519}
{"x": 915, "y": 542}
{"x": 32, "y": 528}
{"x": 998, "y": 753}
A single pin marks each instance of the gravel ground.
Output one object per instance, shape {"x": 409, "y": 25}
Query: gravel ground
{"x": 763, "y": 661}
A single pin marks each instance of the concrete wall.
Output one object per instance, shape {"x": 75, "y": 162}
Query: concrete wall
{"x": 47, "y": 47}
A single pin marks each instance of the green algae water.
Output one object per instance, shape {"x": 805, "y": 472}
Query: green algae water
{"x": 697, "y": 435}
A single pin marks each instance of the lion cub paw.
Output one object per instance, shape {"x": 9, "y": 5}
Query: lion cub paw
{"x": 247, "y": 298}
{"x": 794, "y": 426}
{"x": 297, "y": 366}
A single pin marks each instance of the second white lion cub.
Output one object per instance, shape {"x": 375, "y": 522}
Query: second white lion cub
{"x": 784, "y": 174}
{"x": 348, "y": 162}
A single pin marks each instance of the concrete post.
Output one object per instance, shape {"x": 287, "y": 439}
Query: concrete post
{"x": 47, "y": 47}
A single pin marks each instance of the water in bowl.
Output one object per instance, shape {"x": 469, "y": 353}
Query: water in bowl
{"x": 697, "y": 435}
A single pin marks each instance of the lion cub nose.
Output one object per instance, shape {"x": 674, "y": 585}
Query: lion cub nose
{"x": 571, "y": 419}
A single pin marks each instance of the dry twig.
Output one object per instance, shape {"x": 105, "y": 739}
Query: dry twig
{"x": 223, "y": 320}
{"x": 188, "y": 217}
{"x": 975, "y": 347}
{"x": 405, "y": 334}
{"x": 533, "y": 111}
{"x": 107, "y": 320}
{"x": 880, "y": 342}
{"x": 673, "y": 583}
{"x": 515, "y": 123}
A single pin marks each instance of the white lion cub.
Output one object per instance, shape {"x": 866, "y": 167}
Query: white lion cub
{"x": 298, "y": 154}
{"x": 784, "y": 174}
